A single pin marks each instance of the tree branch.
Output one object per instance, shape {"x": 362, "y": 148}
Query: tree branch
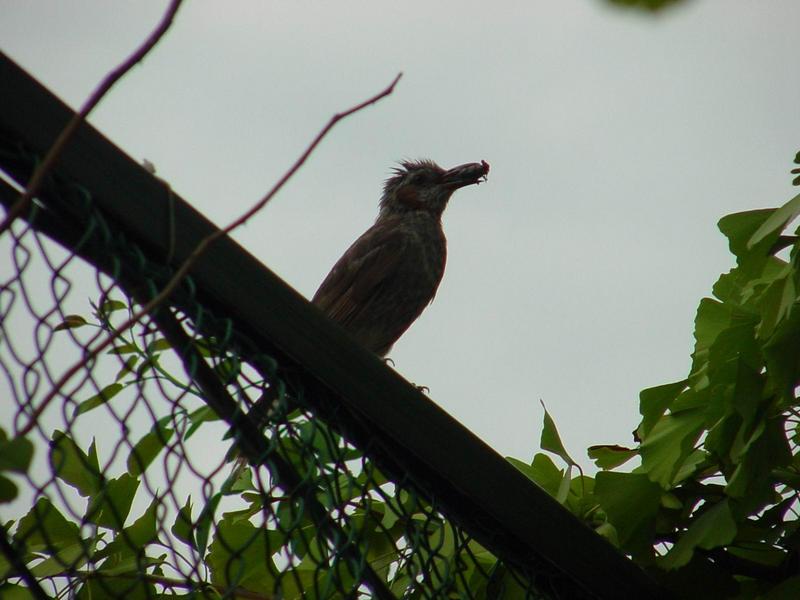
{"x": 68, "y": 132}
{"x": 176, "y": 279}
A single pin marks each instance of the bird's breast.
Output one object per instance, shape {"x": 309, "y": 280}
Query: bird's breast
{"x": 425, "y": 251}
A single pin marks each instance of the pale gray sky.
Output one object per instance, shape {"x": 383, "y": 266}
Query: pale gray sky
{"x": 616, "y": 140}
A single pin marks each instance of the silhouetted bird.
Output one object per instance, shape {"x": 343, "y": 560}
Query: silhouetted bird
{"x": 390, "y": 274}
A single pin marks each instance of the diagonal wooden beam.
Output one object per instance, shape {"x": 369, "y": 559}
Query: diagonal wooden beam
{"x": 486, "y": 495}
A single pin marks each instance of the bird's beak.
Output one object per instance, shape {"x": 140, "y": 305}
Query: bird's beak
{"x": 468, "y": 174}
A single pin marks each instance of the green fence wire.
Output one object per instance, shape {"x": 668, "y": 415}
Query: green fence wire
{"x": 130, "y": 485}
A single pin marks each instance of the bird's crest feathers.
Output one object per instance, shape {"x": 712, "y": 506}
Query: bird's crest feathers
{"x": 405, "y": 167}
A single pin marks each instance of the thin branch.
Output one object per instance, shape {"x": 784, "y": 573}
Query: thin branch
{"x": 24, "y": 201}
{"x": 176, "y": 279}
{"x": 303, "y": 157}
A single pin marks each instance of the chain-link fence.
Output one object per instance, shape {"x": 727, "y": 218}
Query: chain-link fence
{"x": 131, "y": 493}
{"x": 145, "y": 471}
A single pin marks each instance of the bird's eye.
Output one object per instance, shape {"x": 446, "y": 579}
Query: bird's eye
{"x": 418, "y": 178}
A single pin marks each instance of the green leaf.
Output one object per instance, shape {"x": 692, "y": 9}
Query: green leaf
{"x": 631, "y": 502}
{"x": 696, "y": 459}
{"x": 71, "y": 322}
{"x": 209, "y": 346}
{"x": 150, "y": 363}
{"x": 197, "y": 417}
{"x": 608, "y": 531}
{"x": 653, "y": 403}
{"x": 183, "y": 528}
{"x": 646, "y": 5}
{"x": 204, "y": 522}
{"x": 745, "y": 286}
{"x": 110, "y": 306}
{"x": 240, "y": 556}
{"x": 671, "y": 501}
{"x": 788, "y": 589}
{"x": 44, "y": 529}
{"x": 781, "y": 356}
{"x": 542, "y": 471}
{"x": 776, "y": 221}
{"x": 158, "y": 345}
{"x": 129, "y": 563}
{"x": 316, "y": 436}
{"x": 127, "y": 367}
{"x": 564, "y": 486}
{"x": 121, "y": 578}
{"x": 669, "y": 443}
{"x": 145, "y": 529}
{"x": 148, "y": 448}
{"x": 302, "y": 528}
{"x": 65, "y": 559}
{"x": 693, "y": 398}
{"x": 775, "y": 304}
{"x": 15, "y": 454}
{"x": 551, "y": 441}
{"x": 8, "y": 491}
{"x": 228, "y": 368}
{"x": 12, "y": 591}
{"x": 712, "y": 319}
{"x": 110, "y": 507}
{"x": 703, "y": 579}
{"x": 761, "y": 553}
{"x": 766, "y": 449}
{"x": 746, "y": 394}
{"x": 124, "y": 349}
{"x": 242, "y": 483}
{"x": 73, "y": 466}
{"x": 610, "y": 456}
{"x": 739, "y": 228}
{"x": 734, "y": 344}
{"x": 133, "y": 540}
{"x": 714, "y": 528}
{"x": 103, "y": 396}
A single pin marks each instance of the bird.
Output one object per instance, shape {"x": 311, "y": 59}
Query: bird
{"x": 387, "y": 277}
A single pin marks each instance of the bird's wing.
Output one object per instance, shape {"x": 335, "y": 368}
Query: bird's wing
{"x": 355, "y": 280}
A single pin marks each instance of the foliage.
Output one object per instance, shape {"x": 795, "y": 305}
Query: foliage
{"x": 246, "y": 536}
{"x": 650, "y": 5}
{"x": 711, "y": 508}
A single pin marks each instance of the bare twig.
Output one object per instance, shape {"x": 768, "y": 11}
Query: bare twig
{"x": 303, "y": 157}
{"x": 66, "y": 134}
{"x": 176, "y": 279}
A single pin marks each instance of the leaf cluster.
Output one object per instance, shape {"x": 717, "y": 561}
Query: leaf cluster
{"x": 711, "y": 507}
{"x": 246, "y": 536}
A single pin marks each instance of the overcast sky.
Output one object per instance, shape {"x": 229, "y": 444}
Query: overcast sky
{"x": 617, "y": 140}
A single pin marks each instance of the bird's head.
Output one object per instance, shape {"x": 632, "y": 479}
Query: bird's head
{"x": 422, "y": 185}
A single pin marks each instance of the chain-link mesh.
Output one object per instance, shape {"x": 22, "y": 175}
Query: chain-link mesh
{"x": 127, "y": 483}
